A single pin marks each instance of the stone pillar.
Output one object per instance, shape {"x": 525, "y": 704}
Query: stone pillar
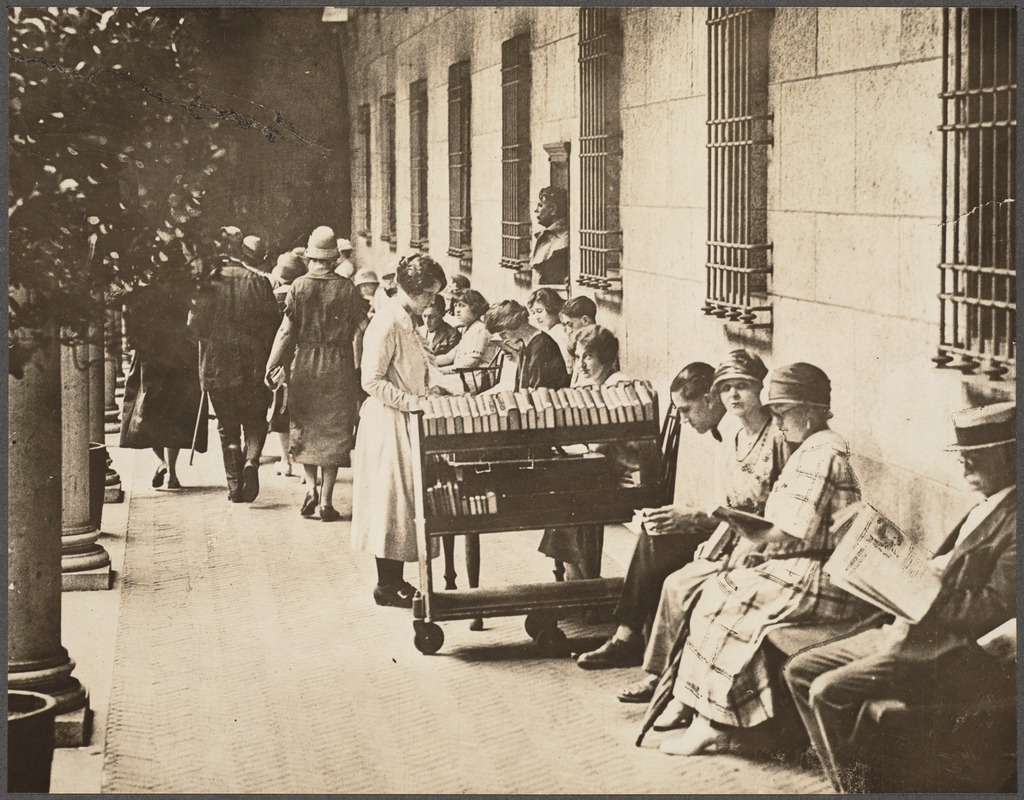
{"x": 84, "y": 562}
{"x": 97, "y": 434}
{"x": 36, "y": 661}
{"x": 97, "y": 405}
{"x": 111, "y": 365}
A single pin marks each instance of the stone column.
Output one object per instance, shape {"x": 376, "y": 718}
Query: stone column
{"x": 111, "y": 365}
{"x": 84, "y": 562}
{"x": 98, "y": 404}
{"x": 36, "y": 661}
{"x": 97, "y": 434}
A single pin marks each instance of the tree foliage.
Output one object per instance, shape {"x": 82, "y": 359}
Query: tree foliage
{"x": 111, "y": 156}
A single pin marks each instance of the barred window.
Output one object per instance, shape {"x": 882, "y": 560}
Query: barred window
{"x": 600, "y": 44}
{"x": 418, "y": 163}
{"x": 977, "y": 306}
{"x": 739, "y": 133}
{"x": 387, "y": 169}
{"x": 515, "y": 152}
{"x": 362, "y": 178}
{"x": 460, "y": 224}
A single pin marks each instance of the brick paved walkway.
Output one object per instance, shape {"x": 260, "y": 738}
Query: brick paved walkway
{"x": 250, "y": 658}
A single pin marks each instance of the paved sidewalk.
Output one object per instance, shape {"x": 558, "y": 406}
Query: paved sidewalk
{"x": 250, "y": 658}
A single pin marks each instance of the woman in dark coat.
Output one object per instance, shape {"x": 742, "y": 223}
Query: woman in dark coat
{"x": 161, "y": 392}
{"x": 322, "y": 315}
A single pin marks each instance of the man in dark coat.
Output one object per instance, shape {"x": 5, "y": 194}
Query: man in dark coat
{"x": 235, "y": 319}
{"x": 937, "y": 660}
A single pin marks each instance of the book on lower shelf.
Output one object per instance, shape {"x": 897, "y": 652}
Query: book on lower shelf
{"x": 879, "y": 563}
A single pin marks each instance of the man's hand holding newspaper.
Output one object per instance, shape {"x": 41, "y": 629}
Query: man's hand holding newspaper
{"x": 879, "y": 563}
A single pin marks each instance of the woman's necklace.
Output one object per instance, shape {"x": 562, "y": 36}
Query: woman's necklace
{"x": 752, "y": 443}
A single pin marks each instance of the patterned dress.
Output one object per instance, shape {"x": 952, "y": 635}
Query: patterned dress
{"x": 744, "y": 481}
{"x": 722, "y": 672}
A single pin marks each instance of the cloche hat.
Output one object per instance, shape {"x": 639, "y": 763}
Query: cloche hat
{"x": 741, "y": 365}
{"x": 799, "y": 384}
{"x": 252, "y": 247}
{"x": 986, "y": 426}
{"x": 322, "y": 244}
{"x": 228, "y": 241}
{"x": 365, "y": 276}
{"x": 289, "y": 267}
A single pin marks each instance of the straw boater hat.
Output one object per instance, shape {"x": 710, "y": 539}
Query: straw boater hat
{"x": 740, "y": 366}
{"x": 987, "y": 426}
{"x": 322, "y": 245}
{"x": 799, "y": 384}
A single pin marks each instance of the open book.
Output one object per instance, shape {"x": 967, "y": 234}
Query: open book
{"x": 878, "y": 562}
{"x": 749, "y": 526}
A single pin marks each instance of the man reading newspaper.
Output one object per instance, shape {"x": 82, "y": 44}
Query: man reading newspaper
{"x": 949, "y": 655}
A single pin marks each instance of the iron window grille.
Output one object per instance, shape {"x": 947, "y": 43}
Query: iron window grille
{"x": 389, "y": 213}
{"x": 515, "y": 152}
{"x": 418, "y": 163}
{"x": 362, "y": 183}
{"x": 739, "y": 134}
{"x": 977, "y": 305}
{"x": 460, "y": 222}
{"x": 600, "y": 44}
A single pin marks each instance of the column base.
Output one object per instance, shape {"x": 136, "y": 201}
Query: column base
{"x": 88, "y": 580}
{"x": 84, "y": 564}
{"x": 113, "y": 494}
{"x": 73, "y": 728}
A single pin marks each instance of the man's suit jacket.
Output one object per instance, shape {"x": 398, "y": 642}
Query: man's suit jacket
{"x": 978, "y": 591}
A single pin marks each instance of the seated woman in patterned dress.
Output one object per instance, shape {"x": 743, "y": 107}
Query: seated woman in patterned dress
{"x": 722, "y": 671}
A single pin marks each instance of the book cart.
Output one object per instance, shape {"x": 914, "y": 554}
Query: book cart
{"x": 485, "y": 478}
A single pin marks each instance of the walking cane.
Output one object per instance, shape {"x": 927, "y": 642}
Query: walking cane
{"x": 199, "y": 420}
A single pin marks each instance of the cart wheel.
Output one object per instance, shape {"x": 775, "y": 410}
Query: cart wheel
{"x": 552, "y": 642}
{"x": 535, "y": 623}
{"x": 429, "y": 637}
{"x": 477, "y": 624}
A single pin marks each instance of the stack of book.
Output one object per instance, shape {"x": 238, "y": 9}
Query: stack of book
{"x": 532, "y": 409}
{"x": 445, "y": 499}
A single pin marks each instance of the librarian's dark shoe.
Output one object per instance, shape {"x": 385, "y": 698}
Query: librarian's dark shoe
{"x": 158, "y": 476}
{"x": 398, "y": 595}
{"x": 640, "y": 692}
{"x": 613, "y": 654}
{"x": 250, "y": 482}
{"x": 310, "y": 503}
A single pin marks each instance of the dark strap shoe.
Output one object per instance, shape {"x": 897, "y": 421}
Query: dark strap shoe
{"x": 613, "y": 654}
{"x": 397, "y": 595}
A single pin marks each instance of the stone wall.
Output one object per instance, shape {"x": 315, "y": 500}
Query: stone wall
{"x": 853, "y": 206}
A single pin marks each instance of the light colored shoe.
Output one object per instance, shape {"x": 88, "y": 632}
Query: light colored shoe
{"x": 701, "y": 737}
{"x": 676, "y": 716}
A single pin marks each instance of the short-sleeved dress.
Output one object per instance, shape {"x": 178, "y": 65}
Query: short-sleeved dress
{"x": 324, "y": 313}
{"x": 722, "y": 670}
{"x": 394, "y": 374}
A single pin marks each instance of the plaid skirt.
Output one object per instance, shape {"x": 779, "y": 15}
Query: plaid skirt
{"x": 722, "y": 669}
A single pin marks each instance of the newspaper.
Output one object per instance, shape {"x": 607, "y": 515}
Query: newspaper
{"x": 878, "y": 562}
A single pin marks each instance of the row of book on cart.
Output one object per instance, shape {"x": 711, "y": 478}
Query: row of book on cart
{"x": 532, "y": 409}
